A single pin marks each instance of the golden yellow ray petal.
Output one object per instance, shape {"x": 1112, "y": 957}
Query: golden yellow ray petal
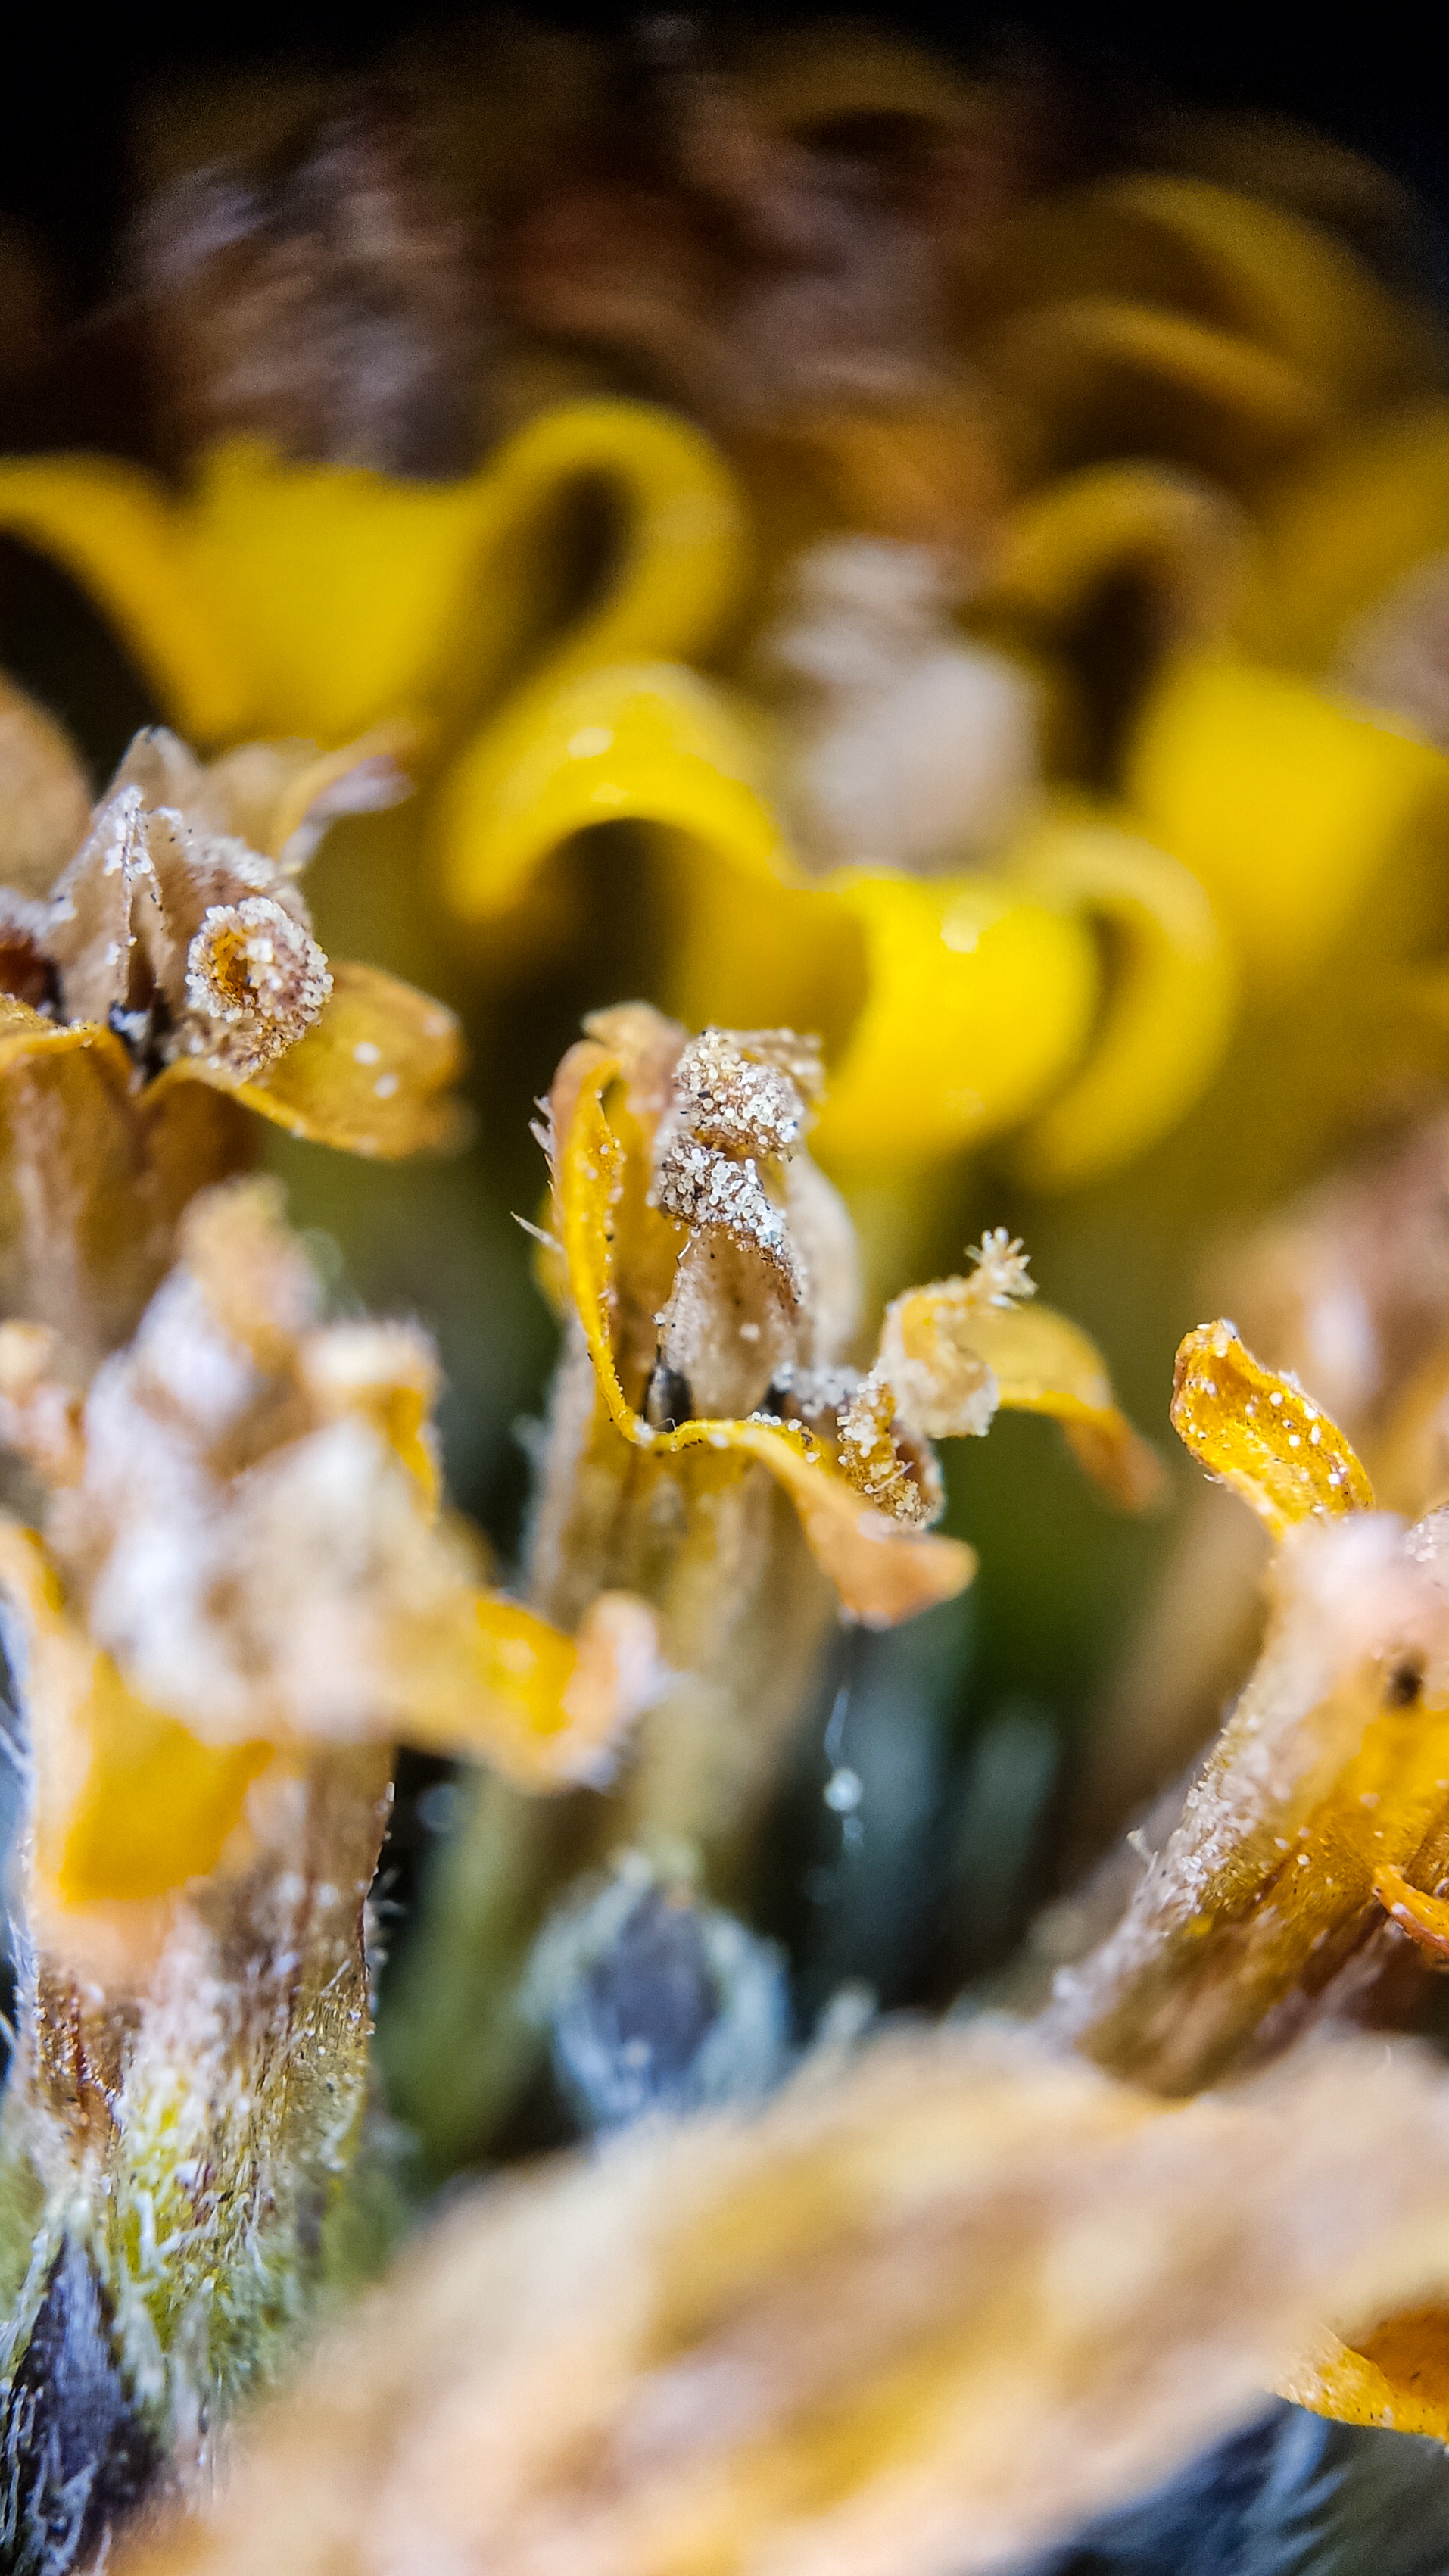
{"x": 1169, "y": 1002}
{"x": 114, "y": 531}
{"x": 1082, "y": 370}
{"x": 1261, "y": 1434}
{"x": 372, "y": 1077}
{"x": 1290, "y": 810}
{"x": 883, "y": 1573}
{"x": 1044, "y": 1363}
{"x": 1346, "y": 528}
{"x": 979, "y": 998}
{"x": 128, "y": 1803}
{"x": 1060, "y": 546}
{"x": 642, "y": 742}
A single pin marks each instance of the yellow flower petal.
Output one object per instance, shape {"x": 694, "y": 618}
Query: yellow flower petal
{"x": 285, "y": 598}
{"x": 1289, "y": 810}
{"x": 1169, "y": 1004}
{"x": 115, "y": 532}
{"x": 1082, "y": 370}
{"x": 1151, "y": 523}
{"x": 1345, "y": 529}
{"x": 978, "y": 1001}
{"x": 371, "y": 1078}
{"x": 1044, "y": 1363}
{"x": 94, "y": 1174}
{"x": 498, "y": 1685}
{"x": 128, "y": 1803}
{"x": 650, "y": 742}
{"x": 1261, "y": 1434}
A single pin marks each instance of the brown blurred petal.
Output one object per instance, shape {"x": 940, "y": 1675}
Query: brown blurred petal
{"x": 914, "y": 2319}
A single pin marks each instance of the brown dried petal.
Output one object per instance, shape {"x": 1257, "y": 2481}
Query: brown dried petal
{"x": 913, "y": 2320}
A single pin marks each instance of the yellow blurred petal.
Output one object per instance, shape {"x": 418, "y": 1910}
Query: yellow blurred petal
{"x": 371, "y": 1078}
{"x": 1195, "y": 263}
{"x": 1169, "y": 1002}
{"x": 128, "y": 1803}
{"x": 356, "y": 596}
{"x": 115, "y": 532}
{"x": 1044, "y": 1363}
{"x": 978, "y": 1001}
{"x": 1153, "y": 523}
{"x": 544, "y": 1709}
{"x": 1347, "y": 527}
{"x": 1287, "y": 808}
{"x": 1397, "y": 2377}
{"x": 1083, "y": 371}
{"x": 1262, "y": 1435}
{"x": 648, "y": 742}
{"x": 1279, "y": 279}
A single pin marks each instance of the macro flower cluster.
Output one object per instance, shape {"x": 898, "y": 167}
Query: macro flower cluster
{"x": 728, "y": 781}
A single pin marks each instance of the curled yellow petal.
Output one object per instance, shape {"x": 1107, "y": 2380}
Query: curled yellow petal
{"x": 114, "y": 532}
{"x": 646, "y": 742}
{"x": 1261, "y": 1434}
{"x": 979, "y": 998}
{"x": 1345, "y": 529}
{"x": 1044, "y": 1363}
{"x": 372, "y": 1077}
{"x": 504, "y": 1687}
{"x": 128, "y": 1802}
{"x": 1179, "y": 536}
{"x": 883, "y": 1573}
{"x": 1083, "y": 369}
{"x": 1168, "y": 1005}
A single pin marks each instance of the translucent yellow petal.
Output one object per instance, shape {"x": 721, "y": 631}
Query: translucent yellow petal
{"x": 115, "y": 532}
{"x": 1262, "y": 1435}
{"x": 1345, "y": 529}
{"x": 647, "y": 742}
{"x": 1044, "y": 1363}
{"x": 978, "y": 1002}
{"x": 1398, "y": 2377}
{"x": 1169, "y": 1002}
{"x": 128, "y": 1803}
{"x": 1287, "y": 808}
{"x": 372, "y": 1077}
{"x": 882, "y": 1572}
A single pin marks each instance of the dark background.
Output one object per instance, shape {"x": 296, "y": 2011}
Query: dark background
{"x": 69, "y": 78}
